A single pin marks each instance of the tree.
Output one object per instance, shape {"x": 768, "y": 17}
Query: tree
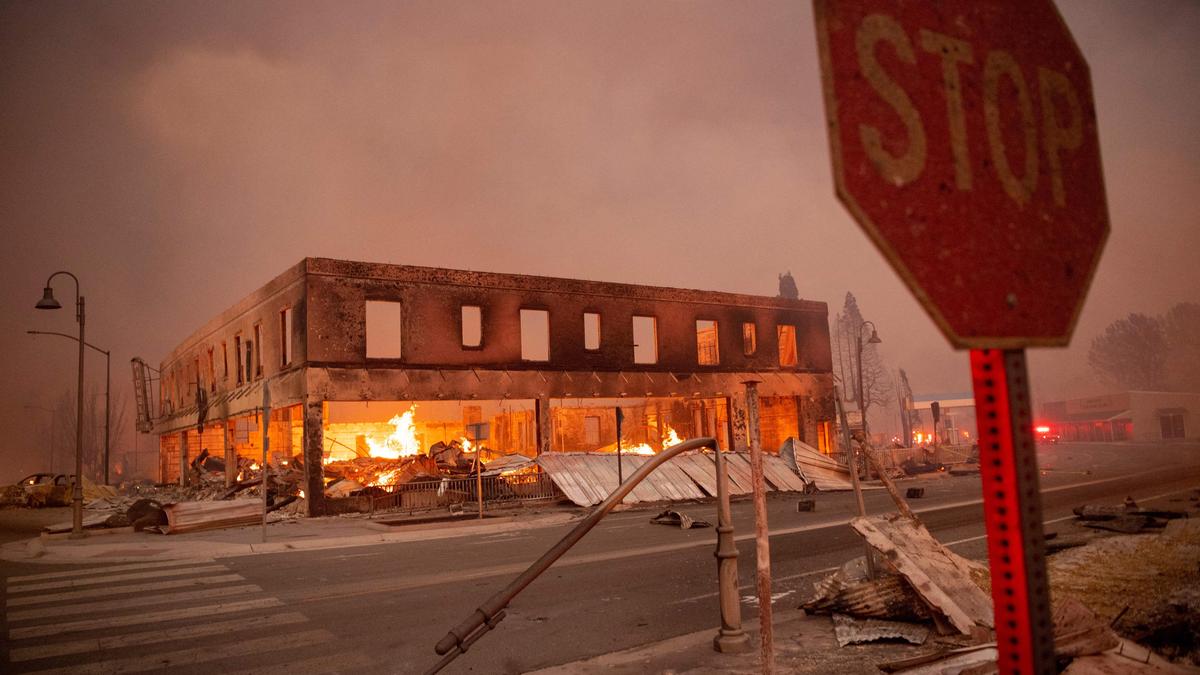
{"x": 1131, "y": 353}
{"x": 877, "y": 384}
{"x": 93, "y": 431}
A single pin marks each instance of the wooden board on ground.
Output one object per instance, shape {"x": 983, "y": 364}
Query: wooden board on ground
{"x": 194, "y": 516}
{"x": 941, "y": 577}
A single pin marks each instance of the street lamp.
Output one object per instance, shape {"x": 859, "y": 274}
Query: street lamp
{"x": 48, "y": 302}
{"x": 107, "y": 388}
{"x": 862, "y": 395}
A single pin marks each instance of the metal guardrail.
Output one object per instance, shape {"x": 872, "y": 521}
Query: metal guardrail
{"x": 499, "y": 490}
{"x": 729, "y": 638}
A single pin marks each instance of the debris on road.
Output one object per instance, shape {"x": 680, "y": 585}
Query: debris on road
{"x": 851, "y": 592}
{"x": 680, "y": 520}
{"x": 914, "y": 493}
{"x": 805, "y": 505}
{"x": 943, "y": 579}
{"x": 851, "y": 631}
{"x": 195, "y": 516}
{"x": 822, "y": 471}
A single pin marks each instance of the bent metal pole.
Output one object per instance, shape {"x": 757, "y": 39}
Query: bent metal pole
{"x": 491, "y": 611}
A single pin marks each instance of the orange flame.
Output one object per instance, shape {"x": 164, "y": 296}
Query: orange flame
{"x": 400, "y": 443}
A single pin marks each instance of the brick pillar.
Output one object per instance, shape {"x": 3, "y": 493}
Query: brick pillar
{"x": 545, "y": 438}
{"x": 183, "y": 458}
{"x": 231, "y": 464}
{"x": 314, "y": 449}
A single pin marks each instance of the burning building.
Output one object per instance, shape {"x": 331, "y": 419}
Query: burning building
{"x": 385, "y": 362}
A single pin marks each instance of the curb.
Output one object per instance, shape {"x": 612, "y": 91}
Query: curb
{"x": 159, "y": 548}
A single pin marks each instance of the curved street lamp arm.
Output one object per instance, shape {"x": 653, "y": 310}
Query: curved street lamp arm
{"x": 71, "y": 337}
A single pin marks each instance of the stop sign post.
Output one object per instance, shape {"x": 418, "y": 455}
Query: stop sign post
{"x": 963, "y": 139}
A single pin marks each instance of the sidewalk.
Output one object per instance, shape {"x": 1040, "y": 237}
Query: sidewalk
{"x": 125, "y": 545}
{"x": 804, "y": 644}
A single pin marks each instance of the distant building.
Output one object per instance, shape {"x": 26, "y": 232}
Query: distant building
{"x": 360, "y": 355}
{"x": 1125, "y": 416}
{"x": 956, "y": 422}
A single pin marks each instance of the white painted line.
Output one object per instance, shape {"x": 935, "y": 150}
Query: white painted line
{"x": 105, "y": 569}
{"x": 121, "y": 603}
{"x": 93, "y": 580}
{"x": 197, "y": 655}
{"x": 247, "y": 625}
{"x": 133, "y": 620}
{"x": 42, "y": 598}
{"x": 348, "y": 662}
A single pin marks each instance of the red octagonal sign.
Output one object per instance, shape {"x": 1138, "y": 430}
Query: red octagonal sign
{"x": 963, "y": 136}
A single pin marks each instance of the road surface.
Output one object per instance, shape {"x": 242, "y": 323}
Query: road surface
{"x": 380, "y": 609}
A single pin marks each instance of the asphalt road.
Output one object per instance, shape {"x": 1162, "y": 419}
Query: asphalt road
{"x": 382, "y": 608}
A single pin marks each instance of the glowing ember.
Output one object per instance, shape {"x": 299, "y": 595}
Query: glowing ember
{"x": 385, "y": 478}
{"x": 466, "y": 445}
{"x": 254, "y": 466}
{"x": 671, "y": 439}
{"x": 302, "y": 494}
{"x": 642, "y": 449}
{"x": 400, "y": 443}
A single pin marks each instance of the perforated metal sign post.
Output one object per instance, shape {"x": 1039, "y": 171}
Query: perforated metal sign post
{"x": 1012, "y": 508}
{"x": 964, "y": 142}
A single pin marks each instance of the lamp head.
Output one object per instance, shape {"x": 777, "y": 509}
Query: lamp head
{"x": 48, "y": 301}
{"x": 874, "y": 340}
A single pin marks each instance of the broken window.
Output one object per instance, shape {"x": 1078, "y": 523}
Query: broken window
{"x": 383, "y": 329}
{"x": 645, "y": 339}
{"x": 707, "y": 350}
{"x": 225, "y": 359}
{"x": 787, "y": 346}
{"x": 212, "y": 370}
{"x": 535, "y": 335}
{"x": 258, "y": 370}
{"x": 749, "y": 339}
{"x": 197, "y": 383}
{"x": 285, "y": 337}
{"x": 591, "y": 331}
{"x": 237, "y": 357}
{"x": 472, "y": 326}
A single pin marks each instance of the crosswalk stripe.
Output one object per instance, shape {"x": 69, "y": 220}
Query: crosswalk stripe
{"x": 132, "y": 620}
{"x": 328, "y": 663}
{"x": 248, "y": 624}
{"x": 196, "y": 655}
{"x": 153, "y": 586}
{"x": 123, "y": 603}
{"x": 106, "y": 569}
{"x": 93, "y": 580}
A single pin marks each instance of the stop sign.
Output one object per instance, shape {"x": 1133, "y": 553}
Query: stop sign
{"x": 963, "y": 138}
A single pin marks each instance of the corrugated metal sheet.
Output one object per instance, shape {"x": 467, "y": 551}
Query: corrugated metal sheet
{"x": 588, "y": 478}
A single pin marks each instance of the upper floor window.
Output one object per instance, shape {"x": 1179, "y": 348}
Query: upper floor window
{"x": 238, "y": 361}
{"x": 472, "y": 326}
{"x": 285, "y": 337}
{"x": 383, "y": 329}
{"x": 645, "y": 339}
{"x": 225, "y": 359}
{"x": 788, "y": 356}
{"x": 212, "y": 370}
{"x": 258, "y": 368}
{"x": 707, "y": 350}
{"x": 591, "y": 331}
{"x": 535, "y": 335}
{"x": 749, "y": 339}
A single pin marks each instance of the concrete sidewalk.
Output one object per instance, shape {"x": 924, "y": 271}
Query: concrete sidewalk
{"x": 803, "y": 644}
{"x": 125, "y": 545}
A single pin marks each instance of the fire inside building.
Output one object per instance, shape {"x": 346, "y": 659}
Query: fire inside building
{"x": 370, "y": 365}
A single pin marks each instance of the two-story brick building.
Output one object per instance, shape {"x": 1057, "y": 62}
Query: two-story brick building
{"x": 349, "y": 347}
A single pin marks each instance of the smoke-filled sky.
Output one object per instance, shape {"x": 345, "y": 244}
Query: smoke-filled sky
{"x": 177, "y": 155}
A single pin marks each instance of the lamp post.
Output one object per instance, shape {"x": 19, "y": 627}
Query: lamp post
{"x": 107, "y": 389}
{"x": 48, "y": 302}
{"x": 862, "y": 395}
